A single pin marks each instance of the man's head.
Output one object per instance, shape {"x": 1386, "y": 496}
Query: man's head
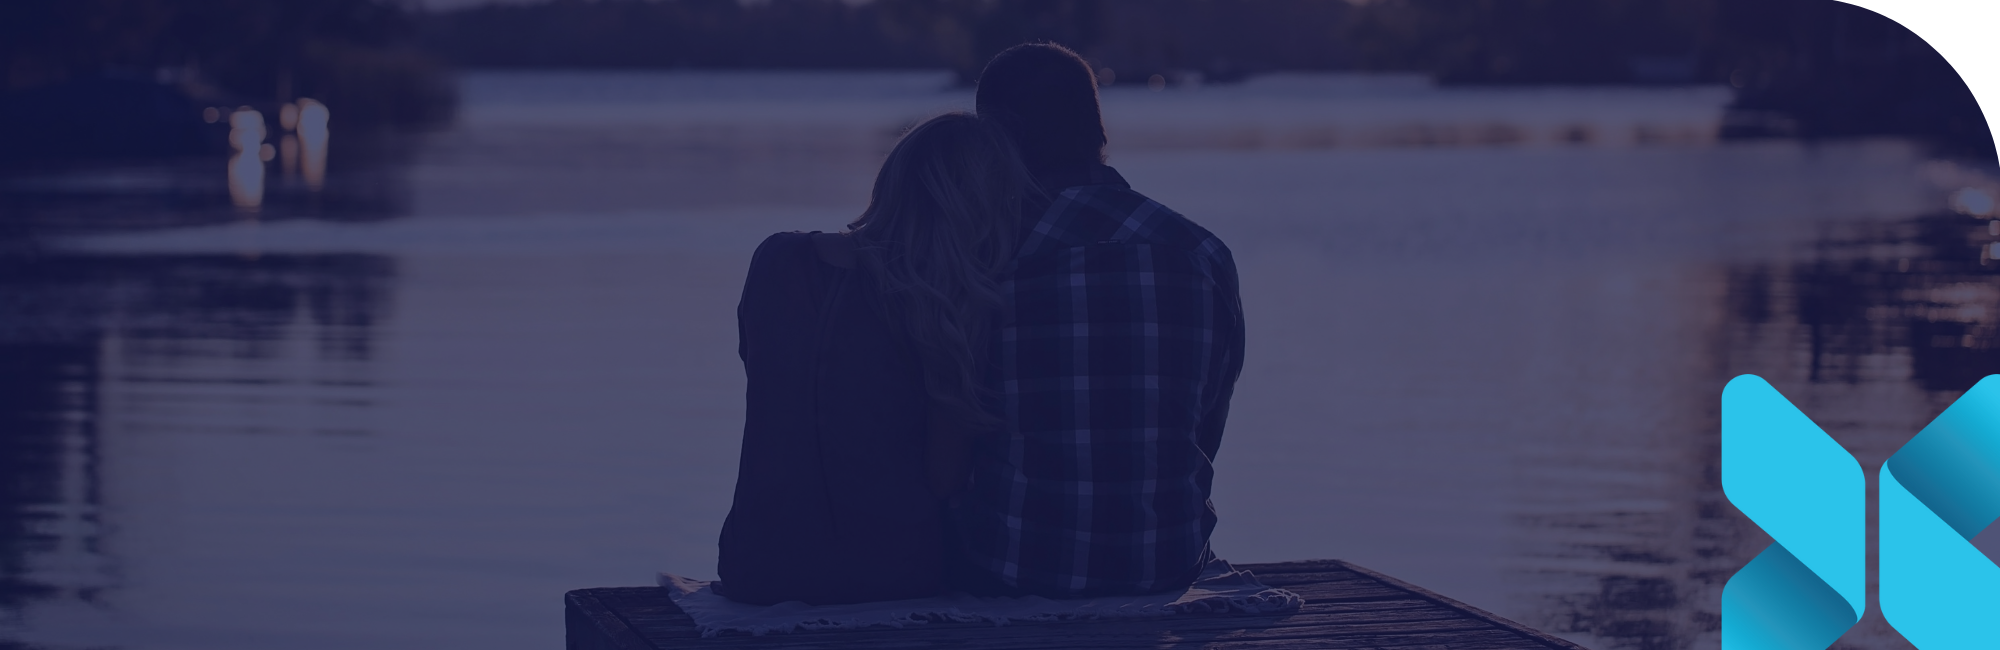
{"x": 1047, "y": 97}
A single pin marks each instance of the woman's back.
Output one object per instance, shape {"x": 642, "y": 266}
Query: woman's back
{"x": 832, "y": 504}
{"x": 865, "y": 352}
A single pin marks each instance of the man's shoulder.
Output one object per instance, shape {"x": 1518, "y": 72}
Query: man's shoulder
{"x": 1096, "y": 215}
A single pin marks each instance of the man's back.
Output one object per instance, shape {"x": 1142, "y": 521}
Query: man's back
{"x": 1115, "y": 354}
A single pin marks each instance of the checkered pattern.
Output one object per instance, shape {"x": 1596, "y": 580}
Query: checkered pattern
{"x": 1116, "y": 352}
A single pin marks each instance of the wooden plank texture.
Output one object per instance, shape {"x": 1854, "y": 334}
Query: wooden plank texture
{"x": 588, "y": 624}
{"x": 1347, "y": 607}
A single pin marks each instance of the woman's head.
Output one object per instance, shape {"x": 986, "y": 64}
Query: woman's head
{"x": 941, "y": 223}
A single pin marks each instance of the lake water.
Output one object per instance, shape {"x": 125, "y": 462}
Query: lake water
{"x": 410, "y": 404}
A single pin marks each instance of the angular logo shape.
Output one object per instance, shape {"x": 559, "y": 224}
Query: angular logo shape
{"x": 1800, "y": 486}
{"x": 1939, "y": 491}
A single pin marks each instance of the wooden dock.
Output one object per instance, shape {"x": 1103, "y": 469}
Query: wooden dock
{"x": 1346, "y": 607}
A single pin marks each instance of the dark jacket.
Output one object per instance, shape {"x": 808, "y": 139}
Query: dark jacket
{"x": 832, "y": 503}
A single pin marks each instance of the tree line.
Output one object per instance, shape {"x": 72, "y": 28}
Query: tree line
{"x": 1800, "y": 67}
{"x": 359, "y": 55}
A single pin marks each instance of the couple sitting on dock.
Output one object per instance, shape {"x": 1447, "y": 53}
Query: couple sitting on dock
{"x": 1007, "y": 377}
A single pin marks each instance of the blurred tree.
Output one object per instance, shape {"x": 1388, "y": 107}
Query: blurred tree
{"x": 1220, "y": 39}
{"x": 1819, "y": 68}
{"x": 355, "y": 55}
{"x": 696, "y": 33}
{"x": 1810, "y": 68}
{"x": 1535, "y": 41}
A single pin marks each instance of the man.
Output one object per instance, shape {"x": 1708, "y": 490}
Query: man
{"x": 1115, "y": 354}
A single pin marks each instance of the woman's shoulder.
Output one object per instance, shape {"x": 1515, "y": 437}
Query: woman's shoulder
{"x": 784, "y": 240}
{"x": 781, "y": 249}
{"x": 793, "y": 247}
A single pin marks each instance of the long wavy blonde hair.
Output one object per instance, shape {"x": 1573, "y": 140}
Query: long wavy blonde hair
{"x": 941, "y": 224}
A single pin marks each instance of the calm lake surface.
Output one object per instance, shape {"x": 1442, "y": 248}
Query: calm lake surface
{"x": 410, "y": 404}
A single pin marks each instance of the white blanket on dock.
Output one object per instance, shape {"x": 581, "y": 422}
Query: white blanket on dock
{"x": 1220, "y": 589}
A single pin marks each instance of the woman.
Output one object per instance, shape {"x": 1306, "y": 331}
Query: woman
{"x": 864, "y": 352}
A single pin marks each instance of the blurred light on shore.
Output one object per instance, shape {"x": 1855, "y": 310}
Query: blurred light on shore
{"x": 246, "y": 129}
{"x": 246, "y": 166}
{"x": 211, "y": 115}
{"x": 1972, "y": 201}
{"x": 246, "y": 180}
{"x": 1106, "y": 76}
{"x": 288, "y": 116}
{"x": 288, "y": 153}
{"x": 312, "y": 134}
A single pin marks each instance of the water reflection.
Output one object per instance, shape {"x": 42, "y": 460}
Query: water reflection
{"x": 1921, "y": 290}
{"x": 151, "y": 340}
{"x": 50, "y": 456}
{"x": 1873, "y": 331}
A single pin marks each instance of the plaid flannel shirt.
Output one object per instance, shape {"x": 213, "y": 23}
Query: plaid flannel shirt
{"x": 1115, "y": 354}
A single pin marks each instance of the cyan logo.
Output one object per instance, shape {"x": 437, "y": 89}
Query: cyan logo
{"x": 1810, "y": 586}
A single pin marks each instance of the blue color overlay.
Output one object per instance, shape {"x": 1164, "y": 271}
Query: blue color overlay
{"x": 1808, "y": 493}
{"x": 1939, "y": 491}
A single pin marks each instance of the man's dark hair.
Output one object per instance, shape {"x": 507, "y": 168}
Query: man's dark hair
{"x": 1046, "y": 96}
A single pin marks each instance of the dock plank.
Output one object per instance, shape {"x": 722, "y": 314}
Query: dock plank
{"x": 1105, "y": 632}
{"x": 591, "y": 625}
{"x": 1315, "y": 576}
{"x": 1347, "y": 607}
